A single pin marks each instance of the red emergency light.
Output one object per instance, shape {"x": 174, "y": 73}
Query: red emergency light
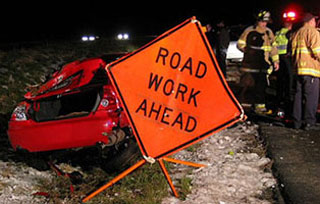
{"x": 289, "y": 16}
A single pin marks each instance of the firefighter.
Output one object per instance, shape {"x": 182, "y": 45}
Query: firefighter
{"x": 260, "y": 56}
{"x": 284, "y": 75}
{"x": 306, "y": 59}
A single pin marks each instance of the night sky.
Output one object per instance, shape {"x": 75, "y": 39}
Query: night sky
{"x": 50, "y": 20}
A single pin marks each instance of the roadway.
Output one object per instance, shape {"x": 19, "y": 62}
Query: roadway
{"x": 295, "y": 154}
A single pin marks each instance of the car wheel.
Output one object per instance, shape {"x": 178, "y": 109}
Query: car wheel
{"x": 35, "y": 161}
{"x": 121, "y": 157}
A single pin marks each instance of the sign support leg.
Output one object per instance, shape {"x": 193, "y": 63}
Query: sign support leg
{"x": 115, "y": 180}
{"x": 139, "y": 164}
{"x": 166, "y": 174}
{"x": 183, "y": 162}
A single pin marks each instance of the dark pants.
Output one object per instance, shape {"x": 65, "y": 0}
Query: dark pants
{"x": 253, "y": 87}
{"x": 260, "y": 87}
{"x": 221, "y": 58}
{"x": 305, "y": 100}
{"x": 284, "y": 81}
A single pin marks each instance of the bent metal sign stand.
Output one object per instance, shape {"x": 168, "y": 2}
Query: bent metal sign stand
{"x": 174, "y": 95}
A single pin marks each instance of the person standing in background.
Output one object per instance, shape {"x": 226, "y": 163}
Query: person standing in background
{"x": 306, "y": 61}
{"x": 258, "y": 44}
{"x": 285, "y": 75}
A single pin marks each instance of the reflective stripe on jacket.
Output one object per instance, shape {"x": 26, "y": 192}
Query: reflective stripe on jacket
{"x": 269, "y": 45}
{"x": 306, "y": 51}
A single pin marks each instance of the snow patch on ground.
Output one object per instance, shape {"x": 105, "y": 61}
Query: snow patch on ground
{"x": 19, "y": 182}
{"x": 233, "y": 175}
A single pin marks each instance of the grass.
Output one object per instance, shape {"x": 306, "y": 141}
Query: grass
{"x": 146, "y": 185}
{"x": 185, "y": 186}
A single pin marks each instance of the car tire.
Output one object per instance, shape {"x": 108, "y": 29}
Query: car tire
{"x": 121, "y": 158}
{"x": 35, "y": 161}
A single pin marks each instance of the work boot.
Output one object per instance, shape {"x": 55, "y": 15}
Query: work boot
{"x": 260, "y": 108}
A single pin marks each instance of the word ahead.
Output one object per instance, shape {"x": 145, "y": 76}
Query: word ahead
{"x": 167, "y": 116}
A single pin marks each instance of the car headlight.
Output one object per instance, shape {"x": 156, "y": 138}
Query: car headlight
{"x": 123, "y": 36}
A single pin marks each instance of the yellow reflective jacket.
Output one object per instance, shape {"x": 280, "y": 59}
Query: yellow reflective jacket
{"x": 269, "y": 45}
{"x": 306, "y": 51}
{"x": 282, "y": 40}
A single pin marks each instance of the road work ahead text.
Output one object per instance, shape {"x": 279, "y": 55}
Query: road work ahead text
{"x": 168, "y": 87}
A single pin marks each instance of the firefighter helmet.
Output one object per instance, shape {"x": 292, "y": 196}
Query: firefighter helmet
{"x": 264, "y": 16}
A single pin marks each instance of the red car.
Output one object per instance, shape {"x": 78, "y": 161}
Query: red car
{"x": 76, "y": 107}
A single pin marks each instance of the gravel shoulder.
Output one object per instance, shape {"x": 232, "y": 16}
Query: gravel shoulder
{"x": 238, "y": 170}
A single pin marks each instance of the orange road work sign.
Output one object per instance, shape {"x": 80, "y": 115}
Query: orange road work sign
{"x": 173, "y": 91}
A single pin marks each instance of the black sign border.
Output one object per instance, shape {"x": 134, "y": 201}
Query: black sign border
{"x": 213, "y": 59}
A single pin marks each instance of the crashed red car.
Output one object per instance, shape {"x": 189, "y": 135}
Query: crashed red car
{"x": 76, "y": 107}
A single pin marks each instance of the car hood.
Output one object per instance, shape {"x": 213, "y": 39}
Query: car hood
{"x": 69, "y": 78}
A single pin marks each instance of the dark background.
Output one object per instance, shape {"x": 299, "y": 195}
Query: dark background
{"x": 55, "y": 20}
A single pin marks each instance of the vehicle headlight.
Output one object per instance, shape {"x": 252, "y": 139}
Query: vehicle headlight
{"x": 123, "y": 36}
{"x": 84, "y": 38}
